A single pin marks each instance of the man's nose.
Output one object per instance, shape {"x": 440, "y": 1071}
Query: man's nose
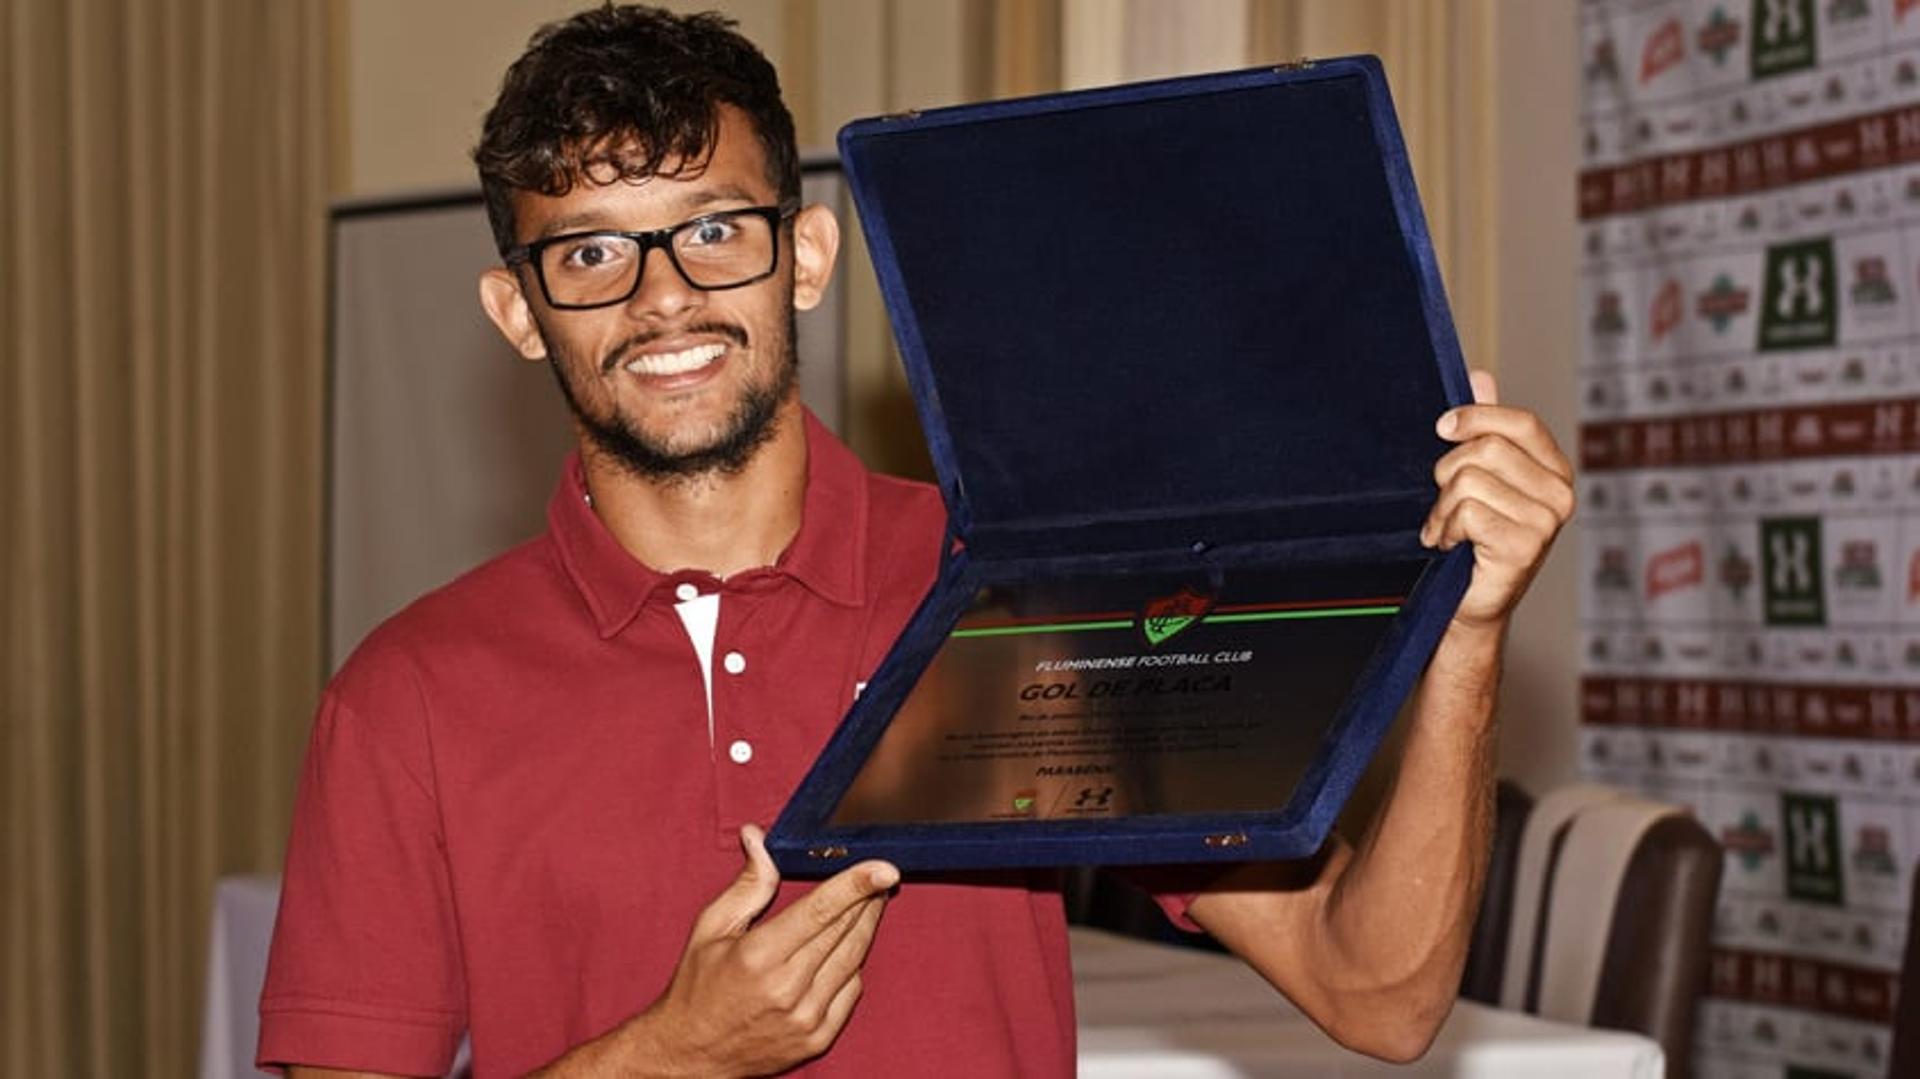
{"x": 664, "y": 292}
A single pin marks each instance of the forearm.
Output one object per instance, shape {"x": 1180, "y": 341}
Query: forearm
{"x": 636, "y": 1049}
{"x": 1370, "y": 941}
{"x": 1399, "y": 918}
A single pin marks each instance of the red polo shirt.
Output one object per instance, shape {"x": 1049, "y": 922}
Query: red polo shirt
{"x": 511, "y": 810}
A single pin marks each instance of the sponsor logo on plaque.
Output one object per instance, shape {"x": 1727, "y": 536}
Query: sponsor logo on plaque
{"x": 1783, "y": 37}
{"x": 1790, "y": 571}
{"x": 1813, "y": 847}
{"x": 1797, "y": 309}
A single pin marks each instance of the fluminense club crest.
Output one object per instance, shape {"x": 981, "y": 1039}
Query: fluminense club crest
{"x": 1162, "y": 618}
{"x": 1723, "y": 302}
{"x": 1719, "y": 35}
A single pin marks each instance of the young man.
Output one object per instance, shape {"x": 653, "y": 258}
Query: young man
{"x": 527, "y": 796}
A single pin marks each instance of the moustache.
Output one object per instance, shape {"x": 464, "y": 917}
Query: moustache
{"x": 619, "y": 353}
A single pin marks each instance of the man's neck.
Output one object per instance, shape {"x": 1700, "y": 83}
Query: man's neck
{"x": 722, "y": 524}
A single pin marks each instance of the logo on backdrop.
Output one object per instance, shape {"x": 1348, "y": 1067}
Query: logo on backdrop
{"x": 1675, "y": 569}
{"x": 1723, "y": 302}
{"x": 1797, "y": 308}
{"x": 1665, "y": 49}
{"x": 1718, "y": 36}
{"x": 1813, "y": 848}
{"x": 1783, "y": 37}
{"x": 1749, "y": 841}
{"x": 1790, "y": 572}
{"x": 1669, "y": 306}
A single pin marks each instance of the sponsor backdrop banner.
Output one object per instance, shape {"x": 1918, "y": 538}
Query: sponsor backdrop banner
{"x": 1750, "y": 441}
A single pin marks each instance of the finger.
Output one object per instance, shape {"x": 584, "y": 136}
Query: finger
{"x": 1486, "y": 391}
{"x": 735, "y": 908}
{"x": 791, "y": 929}
{"x": 838, "y": 1010}
{"x": 842, "y": 959}
{"x": 1497, "y": 455}
{"x": 806, "y": 961}
{"x": 1517, "y": 425}
{"x": 1472, "y": 484}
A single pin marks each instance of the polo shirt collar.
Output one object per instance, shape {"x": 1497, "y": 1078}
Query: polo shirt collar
{"x": 827, "y": 556}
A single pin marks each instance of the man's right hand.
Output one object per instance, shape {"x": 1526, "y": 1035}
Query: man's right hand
{"x": 752, "y": 999}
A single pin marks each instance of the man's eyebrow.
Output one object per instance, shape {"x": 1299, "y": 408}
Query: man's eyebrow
{"x": 583, "y": 221}
{"x": 689, "y": 207}
{"x": 698, "y": 200}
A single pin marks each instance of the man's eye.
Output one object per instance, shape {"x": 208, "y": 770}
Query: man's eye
{"x": 591, "y": 254}
{"x": 710, "y": 232}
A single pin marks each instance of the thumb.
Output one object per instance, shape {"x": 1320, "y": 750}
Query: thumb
{"x": 735, "y": 908}
{"x": 1485, "y": 390}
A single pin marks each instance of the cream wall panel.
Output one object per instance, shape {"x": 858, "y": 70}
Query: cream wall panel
{"x": 1534, "y": 320}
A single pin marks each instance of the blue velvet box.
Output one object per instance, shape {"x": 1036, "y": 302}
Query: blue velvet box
{"x": 1179, "y": 331}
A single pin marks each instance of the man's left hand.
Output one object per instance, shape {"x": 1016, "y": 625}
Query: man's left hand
{"x": 1507, "y": 489}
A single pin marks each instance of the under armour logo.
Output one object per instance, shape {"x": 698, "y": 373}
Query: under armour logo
{"x": 1783, "y": 18}
{"x": 1093, "y": 799}
{"x": 1792, "y": 568}
{"x": 1801, "y": 283}
{"x": 1806, "y": 828}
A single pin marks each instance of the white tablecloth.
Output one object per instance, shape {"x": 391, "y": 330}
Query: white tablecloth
{"x": 1151, "y": 1010}
{"x": 243, "y": 911}
{"x": 1146, "y": 1010}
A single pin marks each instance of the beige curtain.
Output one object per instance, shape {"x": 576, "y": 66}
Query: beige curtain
{"x": 162, "y": 174}
{"x": 1441, "y": 61}
{"x": 849, "y": 58}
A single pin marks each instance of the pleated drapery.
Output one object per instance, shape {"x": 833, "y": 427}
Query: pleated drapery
{"x": 162, "y": 180}
{"x": 163, "y": 183}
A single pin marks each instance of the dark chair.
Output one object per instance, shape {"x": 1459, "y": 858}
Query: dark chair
{"x": 1487, "y": 954}
{"x": 1906, "y": 1009}
{"x": 1586, "y": 852}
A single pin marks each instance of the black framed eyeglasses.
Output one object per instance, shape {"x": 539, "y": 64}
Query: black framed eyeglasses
{"x": 729, "y": 249}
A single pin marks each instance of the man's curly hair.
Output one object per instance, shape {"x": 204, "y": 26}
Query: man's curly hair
{"x": 615, "y": 93}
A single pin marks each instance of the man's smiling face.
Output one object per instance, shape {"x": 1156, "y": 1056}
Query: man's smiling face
{"x": 676, "y": 381}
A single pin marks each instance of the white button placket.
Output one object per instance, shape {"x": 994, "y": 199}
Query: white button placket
{"x": 738, "y": 765}
{"x": 740, "y": 751}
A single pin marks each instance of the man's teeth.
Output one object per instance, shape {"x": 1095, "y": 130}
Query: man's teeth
{"x": 674, "y": 363}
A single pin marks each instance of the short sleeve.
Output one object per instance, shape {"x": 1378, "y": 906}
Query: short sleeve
{"x": 1172, "y": 887}
{"x": 365, "y": 969}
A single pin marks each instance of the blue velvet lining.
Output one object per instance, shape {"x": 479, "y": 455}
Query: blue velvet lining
{"x": 1176, "y": 324}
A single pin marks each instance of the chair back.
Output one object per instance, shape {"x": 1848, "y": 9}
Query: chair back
{"x": 1608, "y": 916}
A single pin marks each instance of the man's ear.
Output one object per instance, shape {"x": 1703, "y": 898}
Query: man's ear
{"x": 507, "y": 306}
{"x": 816, "y": 241}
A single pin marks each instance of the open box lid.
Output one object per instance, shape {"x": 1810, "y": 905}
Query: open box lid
{"x": 1197, "y": 311}
{"x": 1178, "y": 350}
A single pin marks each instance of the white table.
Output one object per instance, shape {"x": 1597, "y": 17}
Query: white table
{"x": 1146, "y": 1010}
{"x": 1156, "y": 1011}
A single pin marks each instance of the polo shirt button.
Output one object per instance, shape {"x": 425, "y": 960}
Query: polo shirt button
{"x": 687, "y": 591}
{"x": 741, "y": 751}
{"x": 734, "y": 662}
